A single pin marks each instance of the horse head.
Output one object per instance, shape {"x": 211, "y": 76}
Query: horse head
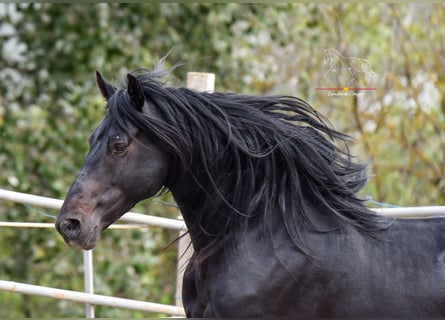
{"x": 122, "y": 168}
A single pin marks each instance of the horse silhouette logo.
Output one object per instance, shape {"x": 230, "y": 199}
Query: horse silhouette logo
{"x": 347, "y": 70}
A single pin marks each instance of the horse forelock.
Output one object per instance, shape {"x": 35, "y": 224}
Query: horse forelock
{"x": 252, "y": 156}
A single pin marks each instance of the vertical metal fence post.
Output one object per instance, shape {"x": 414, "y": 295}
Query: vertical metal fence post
{"x": 89, "y": 280}
{"x": 201, "y": 82}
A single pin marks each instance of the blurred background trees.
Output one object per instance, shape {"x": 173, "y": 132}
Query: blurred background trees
{"x": 49, "y": 105}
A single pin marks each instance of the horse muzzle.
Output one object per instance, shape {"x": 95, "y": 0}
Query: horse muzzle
{"x": 77, "y": 234}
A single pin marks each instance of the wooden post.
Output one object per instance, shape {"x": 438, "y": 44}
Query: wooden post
{"x": 201, "y": 82}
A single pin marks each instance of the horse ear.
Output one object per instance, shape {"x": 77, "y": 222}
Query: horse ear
{"x": 105, "y": 88}
{"x": 135, "y": 92}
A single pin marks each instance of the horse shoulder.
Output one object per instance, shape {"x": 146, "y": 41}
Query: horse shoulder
{"x": 258, "y": 279}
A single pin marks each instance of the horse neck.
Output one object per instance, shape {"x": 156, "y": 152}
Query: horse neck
{"x": 193, "y": 204}
{"x": 185, "y": 192}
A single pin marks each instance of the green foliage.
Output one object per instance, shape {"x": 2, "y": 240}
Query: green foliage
{"x": 49, "y": 105}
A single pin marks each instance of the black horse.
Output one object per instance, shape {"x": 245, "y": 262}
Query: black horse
{"x": 268, "y": 191}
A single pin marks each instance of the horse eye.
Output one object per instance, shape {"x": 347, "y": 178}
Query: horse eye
{"x": 119, "y": 148}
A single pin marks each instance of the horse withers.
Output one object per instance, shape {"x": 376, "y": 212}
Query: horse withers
{"x": 270, "y": 201}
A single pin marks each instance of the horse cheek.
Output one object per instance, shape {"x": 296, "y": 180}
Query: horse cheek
{"x": 145, "y": 177}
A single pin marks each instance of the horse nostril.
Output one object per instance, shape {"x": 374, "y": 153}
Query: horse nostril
{"x": 70, "y": 226}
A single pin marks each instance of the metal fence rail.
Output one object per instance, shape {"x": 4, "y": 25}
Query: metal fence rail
{"x": 52, "y": 203}
{"x": 138, "y": 218}
{"x": 89, "y": 298}
{"x": 412, "y": 212}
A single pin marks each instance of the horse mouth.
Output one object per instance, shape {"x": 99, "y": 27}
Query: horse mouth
{"x": 84, "y": 240}
{"x": 85, "y": 246}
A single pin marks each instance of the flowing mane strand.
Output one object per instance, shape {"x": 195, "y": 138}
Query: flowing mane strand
{"x": 252, "y": 157}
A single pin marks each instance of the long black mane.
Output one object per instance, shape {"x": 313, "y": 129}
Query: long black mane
{"x": 253, "y": 158}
